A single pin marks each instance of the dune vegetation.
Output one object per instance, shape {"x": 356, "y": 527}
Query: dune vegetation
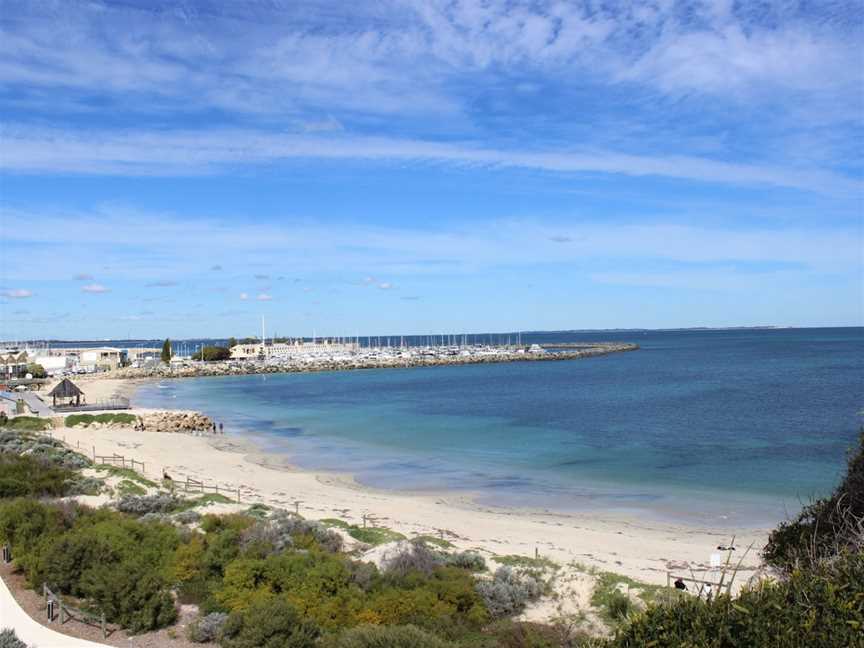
{"x": 268, "y": 577}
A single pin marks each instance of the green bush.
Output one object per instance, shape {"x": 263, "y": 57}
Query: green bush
{"x": 370, "y": 636}
{"x": 29, "y": 424}
{"x": 113, "y": 419}
{"x": 824, "y": 527}
{"x": 115, "y": 563}
{"x": 270, "y": 623}
{"x": 22, "y": 476}
{"x": 822, "y": 607}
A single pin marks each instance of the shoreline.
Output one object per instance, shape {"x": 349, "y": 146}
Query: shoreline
{"x": 639, "y": 548}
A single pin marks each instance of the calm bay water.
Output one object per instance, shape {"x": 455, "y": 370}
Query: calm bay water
{"x": 709, "y": 427}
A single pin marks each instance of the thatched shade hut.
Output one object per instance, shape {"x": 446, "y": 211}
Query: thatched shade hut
{"x": 66, "y": 389}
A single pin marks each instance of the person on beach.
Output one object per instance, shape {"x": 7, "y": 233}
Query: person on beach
{"x": 221, "y": 429}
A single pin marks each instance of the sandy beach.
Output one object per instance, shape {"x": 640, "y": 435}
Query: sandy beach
{"x": 643, "y": 550}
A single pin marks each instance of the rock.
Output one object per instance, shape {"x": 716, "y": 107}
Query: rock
{"x": 166, "y": 421}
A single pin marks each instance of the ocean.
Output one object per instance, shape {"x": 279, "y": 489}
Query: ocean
{"x": 725, "y": 428}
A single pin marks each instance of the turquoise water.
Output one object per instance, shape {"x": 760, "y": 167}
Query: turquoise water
{"x": 711, "y": 427}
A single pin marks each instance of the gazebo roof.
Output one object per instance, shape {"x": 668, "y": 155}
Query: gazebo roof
{"x": 66, "y": 389}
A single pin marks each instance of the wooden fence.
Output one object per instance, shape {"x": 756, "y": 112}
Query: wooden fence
{"x": 117, "y": 460}
{"x": 67, "y": 612}
{"x": 189, "y": 486}
{"x": 195, "y": 486}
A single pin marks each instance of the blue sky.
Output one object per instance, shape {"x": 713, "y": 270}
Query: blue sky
{"x": 183, "y": 168}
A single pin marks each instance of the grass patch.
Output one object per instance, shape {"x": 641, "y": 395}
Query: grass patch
{"x": 369, "y": 535}
{"x": 525, "y": 562}
{"x": 613, "y": 604}
{"x": 86, "y": 419}
{"x": 259, "y": 511}
{"x": 28, "y": 424}
{"x": 126, "y": 473}
{"x": 435, "y": 541}
{"x": 204, "y": 500}
{"x": 128, "y": 487}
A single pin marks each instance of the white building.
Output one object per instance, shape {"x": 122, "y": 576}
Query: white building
{"x": 102, "y": 357}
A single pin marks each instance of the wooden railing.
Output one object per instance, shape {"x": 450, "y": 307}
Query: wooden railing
{"x": 67, "y": 612}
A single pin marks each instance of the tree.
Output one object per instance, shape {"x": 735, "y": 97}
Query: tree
{"x": 232, "y": 342}
{"x": 166, "y": 351}
{"x": 36, "y": 370}
{"x": 212, "y": 353}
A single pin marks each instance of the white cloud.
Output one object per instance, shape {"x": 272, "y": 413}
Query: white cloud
{"x": 18, "y": 293}
{"x": 95, "y": 289}
{"x": 264, "y": 297}
{"x": 384, "y": 285}
{"x": 146, "y": 153}
{"x": 244, "y": 296}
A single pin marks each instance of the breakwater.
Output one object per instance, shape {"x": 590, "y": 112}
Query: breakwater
{"x": 383, "y": 358}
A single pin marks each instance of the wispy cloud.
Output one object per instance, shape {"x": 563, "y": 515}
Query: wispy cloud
{"x": 18, "y": 293}
{"x": 164, "y": 283}
{"x": 95, "y": 289}
{"x": 141, "y": 153}
{"x": 83, "y": 277}
{"x": 264, "y": 297}
{"x": 244, "y": 296}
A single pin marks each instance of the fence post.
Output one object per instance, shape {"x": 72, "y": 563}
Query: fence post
{"x": 94, "y": 453}
{"x": 104, "y": 634}
{"x": 60, "y": 605}
{"x": 238, "y": 494}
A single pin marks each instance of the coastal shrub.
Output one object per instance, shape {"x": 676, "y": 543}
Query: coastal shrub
{"x": 130, "y": 593}
{"x": 198, "y": 566}
{"x": 24, "y": 523}
{"x": 511, "y": 634}
{"x": 372, "y": 636}
{"x": 29, "y": 424}
{"x": 470, "y": 560}
{"x": 144, "y": 504}
{"x": 27, "y": 475}
{"x": 187, "y": 517}
{"x": 445, "y": 602}
{"x": 270, "y": 623}
{"x": 825, "y": 527}
{"x": 507, "y": 593}
{"x": 113, "y": 562}
{"x": 412, "y": 556}
{"x": 206, "y": 629}
{"x": 79, "y": 485}
{"x": 8, "y": 639}
{"x": 47, "y": 449}
{"x": 283, "y": 529}
{"x": 821, "y": 607}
